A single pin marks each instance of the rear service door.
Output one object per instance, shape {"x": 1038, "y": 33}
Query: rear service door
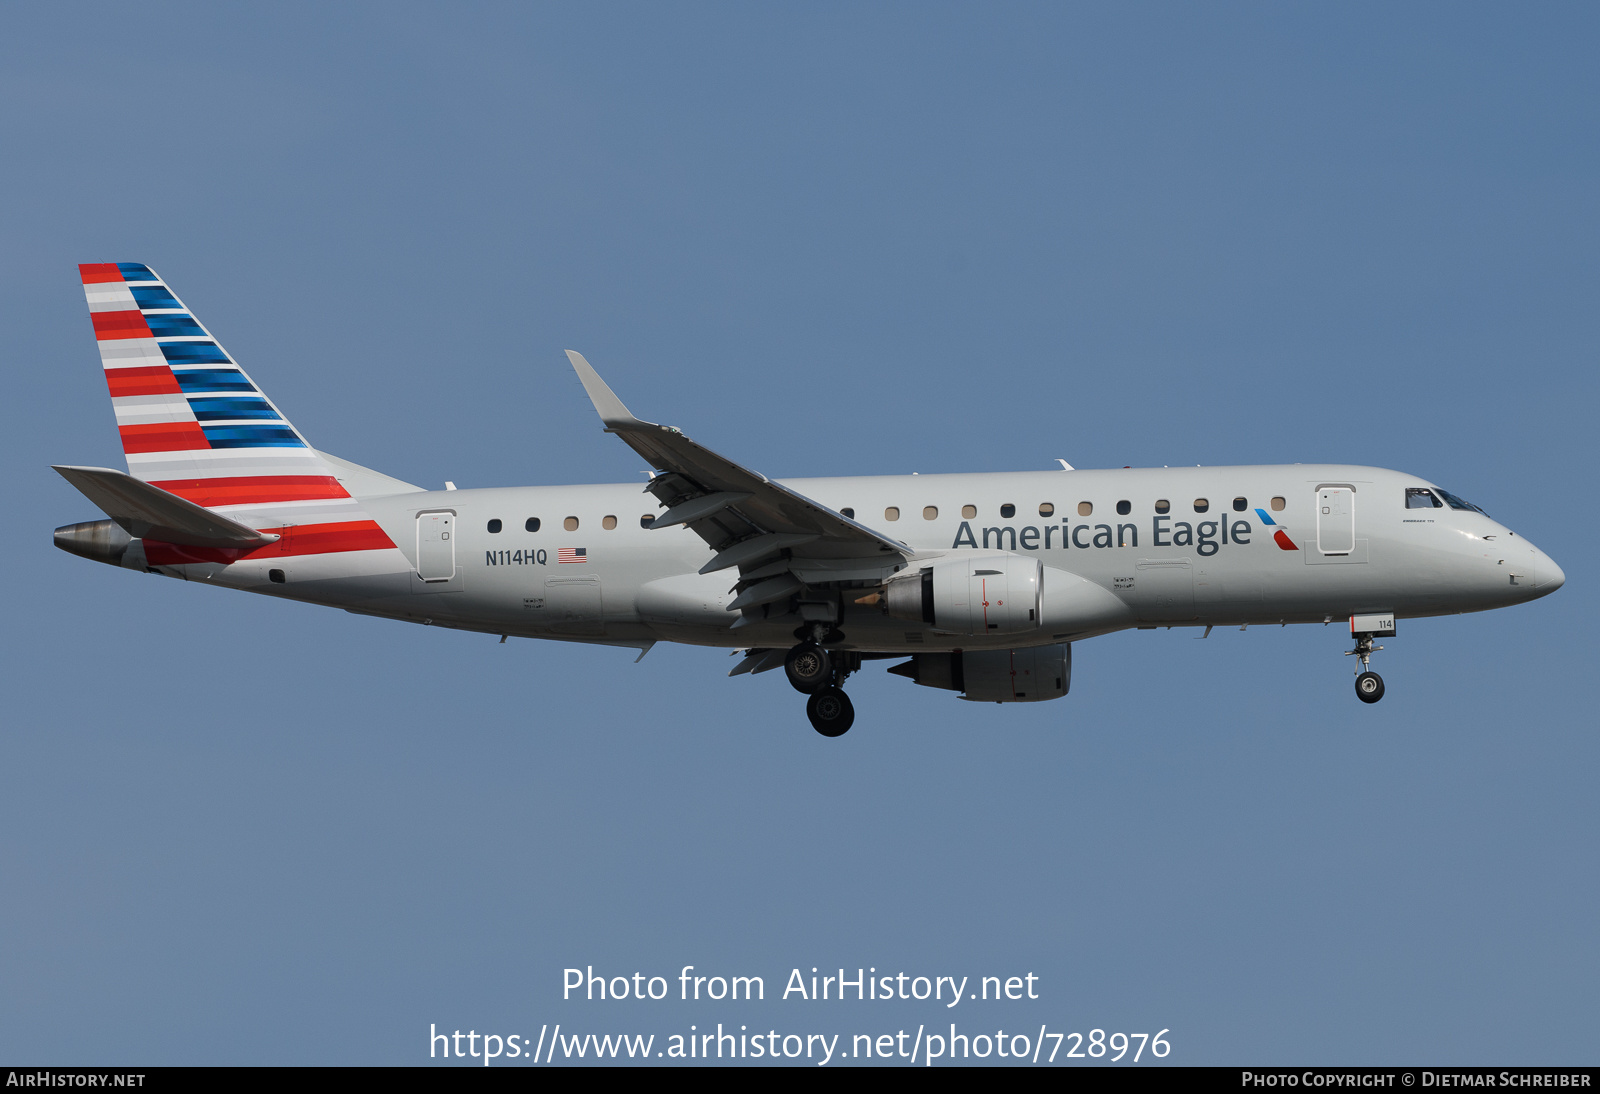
{"x": 436, "y": 546}
{"x": 1336, "y": 520}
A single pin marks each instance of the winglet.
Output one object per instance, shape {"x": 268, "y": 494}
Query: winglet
{"x": 612, "y": 412}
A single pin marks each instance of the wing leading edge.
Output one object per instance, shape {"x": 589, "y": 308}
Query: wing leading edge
{"x": 785, "y": 545}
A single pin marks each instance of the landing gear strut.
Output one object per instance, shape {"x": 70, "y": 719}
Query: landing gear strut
{"x": 814, "y": 671}
{"x": 1369, "y": 685}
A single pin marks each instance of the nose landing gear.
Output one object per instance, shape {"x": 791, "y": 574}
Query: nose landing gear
{"x": 1369, "y": 685}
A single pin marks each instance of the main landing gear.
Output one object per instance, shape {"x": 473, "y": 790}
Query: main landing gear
{"x": 1369, "y": 685}
{"x": 817, "y": 673}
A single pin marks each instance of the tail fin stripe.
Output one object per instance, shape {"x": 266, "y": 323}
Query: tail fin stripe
{"x": 136, "y": 271}
{"x": 119, "y": 324}
{"x": 151, "y": 409}
{"x": 153, "y": 297}
{"x": 225, "y": 463}
{"x": 163, "y": 437}
{"x": 172, "y": 325}
{"x": 253, "y": 436}
{"x": 131, "y": 353}
{"x": 248, "y": 489}
{"x": 146, "y": 380}
{"x": 194, "y": 353}
{"x": 219, "y": 408}
{"x": 203, "y": 381}
{"x": 97, "y": 273}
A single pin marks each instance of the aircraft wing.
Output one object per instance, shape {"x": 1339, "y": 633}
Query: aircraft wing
{"x": 782, "y": 541}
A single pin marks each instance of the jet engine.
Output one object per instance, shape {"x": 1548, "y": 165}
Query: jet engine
{"x": 995, "y": 676}
{"x": 976, "y": 594}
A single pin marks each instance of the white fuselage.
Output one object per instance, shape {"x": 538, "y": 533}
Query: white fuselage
{"x": 1105, "y": 569}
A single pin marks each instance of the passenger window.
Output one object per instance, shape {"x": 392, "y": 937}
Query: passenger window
{"x": 1085, "y": 508}
{"x": 892, "y": 513}
{"x": 1163, "y": 506}
{"x": 851, "y": 513}
{"x": 1240, "y": 504}
{"x": 1124, "y": 508}
{"x": 1418, "y": 498}
{"x": 1201, "y": 505}
{"x": 644, "y": 521}
{"x": 969, "y": 511}
{"x": 531, "y": 524}
{"x": 1008, "y": 511}
{"x": 570, "y": 524}
{"x": 608, "y": 523}
{"x": 930, "y": 512}
{"x": 1046, "y": 509}
{"x": 494, "y": 525}
{"x": 1277, "y": 505}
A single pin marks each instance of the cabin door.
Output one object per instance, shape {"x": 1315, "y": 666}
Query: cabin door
{"x": 1336, "y": 520}
{"x": 436, "y": 546}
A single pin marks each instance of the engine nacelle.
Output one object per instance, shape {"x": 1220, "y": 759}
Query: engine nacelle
{"x": 997, "y": 593}
{"x": 995, "y": 676}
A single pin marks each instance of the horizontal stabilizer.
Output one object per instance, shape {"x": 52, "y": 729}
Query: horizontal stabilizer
{"x": 149, "y": 512}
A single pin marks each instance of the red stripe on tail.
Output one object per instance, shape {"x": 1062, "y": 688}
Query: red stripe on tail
{"x": 95, "y": 273}
{"x": 119, "y": 324}
{"x": 144, "y": 380}
{"x": 163, "y": 437}
{"x": 254, "y": 489}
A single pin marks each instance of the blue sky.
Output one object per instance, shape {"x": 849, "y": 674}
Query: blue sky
{"x": 822, "y": 239}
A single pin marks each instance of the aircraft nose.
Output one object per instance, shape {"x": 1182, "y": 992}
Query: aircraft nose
{"x": 1550, "y": 575}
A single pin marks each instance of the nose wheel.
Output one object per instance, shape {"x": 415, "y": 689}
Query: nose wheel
{"x": 1369, "y": 685}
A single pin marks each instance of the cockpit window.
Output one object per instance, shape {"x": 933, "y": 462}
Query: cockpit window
{"x": 1418, "y": 497}
{"x": 1459, "y": 503}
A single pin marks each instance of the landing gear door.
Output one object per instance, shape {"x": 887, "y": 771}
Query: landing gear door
{"x": 1163, "y": 590}
{"x": 571, "y": 605}
{"x": 1336, "y": 520}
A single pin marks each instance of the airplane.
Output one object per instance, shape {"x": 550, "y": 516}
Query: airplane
{"x": 980, "y": 582}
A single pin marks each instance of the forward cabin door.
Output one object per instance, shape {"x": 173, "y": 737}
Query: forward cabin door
{"x": 1336, "y": 520}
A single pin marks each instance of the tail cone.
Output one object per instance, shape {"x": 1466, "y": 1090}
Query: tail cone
{"x": 101, "y": 540}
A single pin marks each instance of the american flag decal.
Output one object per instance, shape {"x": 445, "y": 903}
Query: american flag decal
{"x": 572, "y": 554}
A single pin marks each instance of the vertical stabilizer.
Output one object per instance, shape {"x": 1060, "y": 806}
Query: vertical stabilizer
{"x": 195, "y": 425}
